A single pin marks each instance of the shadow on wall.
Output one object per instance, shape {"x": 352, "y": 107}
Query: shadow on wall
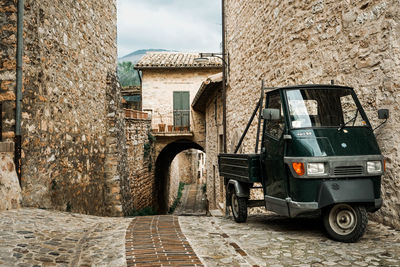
{"x": 162, "y": 170}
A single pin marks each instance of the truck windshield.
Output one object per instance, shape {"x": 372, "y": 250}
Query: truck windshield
{"x": 333, "y": 107}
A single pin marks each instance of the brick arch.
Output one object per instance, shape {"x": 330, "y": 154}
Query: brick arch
{"x": 163, "y": 163}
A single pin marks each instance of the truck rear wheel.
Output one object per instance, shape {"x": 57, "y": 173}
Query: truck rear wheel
{"x": 239, "y": 207}
{"x": 345, "y": 222}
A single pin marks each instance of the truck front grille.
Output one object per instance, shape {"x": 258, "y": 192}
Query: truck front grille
{"x": 348, "y": 170}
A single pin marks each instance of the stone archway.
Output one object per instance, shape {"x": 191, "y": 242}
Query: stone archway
{"x": 162, "y": 168}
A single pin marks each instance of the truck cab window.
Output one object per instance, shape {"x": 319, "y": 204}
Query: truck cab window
{"x": 312, "y": 108}
{"x": 274, "y": 128}
{"x": 350, "y": 111}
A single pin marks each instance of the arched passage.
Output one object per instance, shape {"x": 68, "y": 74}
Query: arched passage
{"x": 163, "y": 163}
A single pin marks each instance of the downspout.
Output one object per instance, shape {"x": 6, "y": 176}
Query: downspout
{"x": 20, "y": 47}
{"x": 223, "y": 77}
{"x": 224, "y": 97}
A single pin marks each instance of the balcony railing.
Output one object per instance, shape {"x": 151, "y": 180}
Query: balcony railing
{"x": 163, "y": 128}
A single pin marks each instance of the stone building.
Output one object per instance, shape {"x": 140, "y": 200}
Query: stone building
{"x": 73, "y": 149}
{"x": 80, "y": 150}
{"x": 170, "y": 81}
{"x": 208, "y": 101}
{"x": 354, "y": 43}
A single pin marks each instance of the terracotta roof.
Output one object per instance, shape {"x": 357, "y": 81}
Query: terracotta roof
{"x": 175, "y": 60}
{"x": 206, "y": 90}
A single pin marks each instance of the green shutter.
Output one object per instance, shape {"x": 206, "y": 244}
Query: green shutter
{"x": 181, "y": 107}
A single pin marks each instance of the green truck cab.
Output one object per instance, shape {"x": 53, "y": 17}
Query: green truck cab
{"x": 318, "y": 155}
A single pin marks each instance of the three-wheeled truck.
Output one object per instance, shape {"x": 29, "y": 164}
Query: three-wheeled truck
{"x": 318, "y": 155}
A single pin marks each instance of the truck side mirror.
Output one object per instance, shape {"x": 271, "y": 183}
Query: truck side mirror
{"x": 271, "y": 114}
{"x": 383, "y": 114}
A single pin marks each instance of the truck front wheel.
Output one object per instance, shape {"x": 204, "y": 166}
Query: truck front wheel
{"x": 239, "y": 207}
{"x": 344, "y": 222}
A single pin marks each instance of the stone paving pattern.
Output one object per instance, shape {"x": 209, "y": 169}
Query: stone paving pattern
{"x": 193, "y": 201}
{"x": 271, "y": 240}
{"x": 34, "y": 237}
{"x": 158, "y": 241}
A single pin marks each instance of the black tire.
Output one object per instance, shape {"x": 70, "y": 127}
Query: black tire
{"x": 239, "y": 207}
{"x": 344, "y": 222}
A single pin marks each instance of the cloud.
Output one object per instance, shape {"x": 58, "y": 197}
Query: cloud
{"x": 188, "y": 26}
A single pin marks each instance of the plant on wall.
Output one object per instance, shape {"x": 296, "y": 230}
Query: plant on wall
{"x": 148, "y": 150}
{"x": 177, "y": 200}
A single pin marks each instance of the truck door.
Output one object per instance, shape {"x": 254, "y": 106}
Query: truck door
{"x": 275, "y": 178}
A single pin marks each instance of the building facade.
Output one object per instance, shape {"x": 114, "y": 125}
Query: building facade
{"x": 170, "y": 81}
{"x": 354, "y": 43}
{"x": 208, "y": 101}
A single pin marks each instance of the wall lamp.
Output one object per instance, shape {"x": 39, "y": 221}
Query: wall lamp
{"x": 204, "y": 57}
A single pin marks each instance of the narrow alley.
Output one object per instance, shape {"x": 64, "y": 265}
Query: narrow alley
{"x": 128, "y": 129}
{"x": 193, "y": 201}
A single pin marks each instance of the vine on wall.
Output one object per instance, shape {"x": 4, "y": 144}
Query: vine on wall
{"x": 148, "y": 150}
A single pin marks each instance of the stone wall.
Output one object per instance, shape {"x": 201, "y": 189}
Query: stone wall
{"x": 214, "y": 146}
{"x": 141, "y": 165}
{"x": 174, "y": 177}
{"x": 8, "y": 44}
{"x": 354, "y": 43}
{"x": 10, "y": 191}
{"x": 71, "y": 124}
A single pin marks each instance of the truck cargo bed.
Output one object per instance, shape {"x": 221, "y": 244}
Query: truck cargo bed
{"x": 240, "y": 167}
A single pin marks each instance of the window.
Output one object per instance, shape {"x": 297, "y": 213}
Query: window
{"x": 351, "y": 116}
{"x": 181, "y": 108}
{"x": 274, "y": 128}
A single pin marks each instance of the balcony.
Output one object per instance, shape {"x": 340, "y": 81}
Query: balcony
{"x": 170, "y": 130}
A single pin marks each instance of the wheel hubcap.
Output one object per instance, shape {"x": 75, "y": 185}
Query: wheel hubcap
{"x": 342, "y": 219}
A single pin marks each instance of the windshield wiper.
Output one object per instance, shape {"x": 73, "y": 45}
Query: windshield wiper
{"x": 341, "y": 126}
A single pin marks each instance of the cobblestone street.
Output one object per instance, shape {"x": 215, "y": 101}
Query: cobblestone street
{"x": 34, "y": 237}
{"x": 271, "y": 240}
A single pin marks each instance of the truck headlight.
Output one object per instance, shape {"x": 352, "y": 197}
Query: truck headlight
{"x": 315, "y": 168}
{"x": 374, "y": 166}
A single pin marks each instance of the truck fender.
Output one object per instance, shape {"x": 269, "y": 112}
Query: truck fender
{"x": 346, "y": 191}
{"x": 241, "y": 189}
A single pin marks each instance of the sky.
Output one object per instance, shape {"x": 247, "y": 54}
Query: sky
{"x": 180, "y": 25}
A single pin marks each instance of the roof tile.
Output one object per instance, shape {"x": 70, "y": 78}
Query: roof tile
{"x": 175, "y": 60}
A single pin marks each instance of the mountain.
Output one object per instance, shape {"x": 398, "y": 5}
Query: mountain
{"x": 134, "y": 57}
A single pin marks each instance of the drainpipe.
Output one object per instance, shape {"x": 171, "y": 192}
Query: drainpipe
{"x": 224, "y": 96}
{"x": 20, "y": 47}
{"x": 223, "y": 76}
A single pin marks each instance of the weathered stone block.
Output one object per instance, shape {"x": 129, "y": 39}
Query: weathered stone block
{"x": 6, "y": 147}
{"x": 10, "y": 191}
